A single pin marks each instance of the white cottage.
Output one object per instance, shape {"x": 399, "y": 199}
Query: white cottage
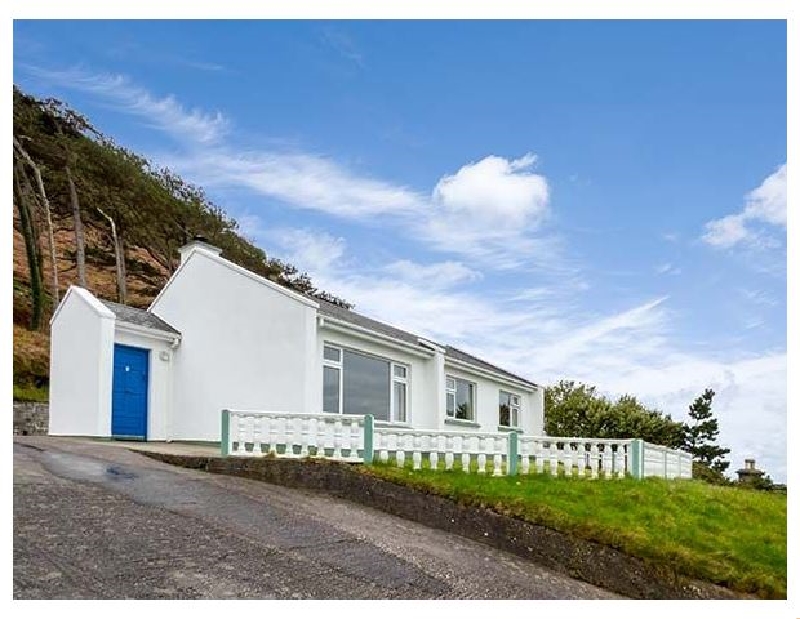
{"x": 219, "y": 336}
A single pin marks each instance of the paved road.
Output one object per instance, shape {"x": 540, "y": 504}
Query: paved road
{"x": 93, "y": 520}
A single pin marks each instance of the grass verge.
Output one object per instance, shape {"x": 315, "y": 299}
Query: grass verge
{"x": 732, "y": 537}
{"x": 29, "y": 393}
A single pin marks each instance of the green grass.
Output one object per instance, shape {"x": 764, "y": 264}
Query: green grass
{"x": 729, "y": 536}
{"x": 29, "y": 393}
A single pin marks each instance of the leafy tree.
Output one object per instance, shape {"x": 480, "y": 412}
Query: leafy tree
{"x": 577, "y": 410}
{"x": 700, "y": 436}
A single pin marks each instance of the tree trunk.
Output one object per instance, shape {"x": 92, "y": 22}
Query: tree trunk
{"x": 119, "y": 258}
{"x": 80, "y": 241}
{"x": 123, "y": 282}
{"x": 34, "y": 210}
{"x": 50, "y": 238}
{"x": 30, "y": 249}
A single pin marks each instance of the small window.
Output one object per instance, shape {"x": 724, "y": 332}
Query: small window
{"x": 399, "y": 371}
{"x": 333, "y": 354}
{"x": 460, "y": 398}
{"x": 509, "y": 410}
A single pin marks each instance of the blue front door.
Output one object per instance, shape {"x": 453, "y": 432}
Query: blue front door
{"x": 129, "y": 399}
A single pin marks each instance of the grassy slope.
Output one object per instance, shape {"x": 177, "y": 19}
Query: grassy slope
{"x": 729, "y": 536}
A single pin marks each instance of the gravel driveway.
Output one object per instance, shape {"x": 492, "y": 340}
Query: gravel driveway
{"x": 95, "y": 520}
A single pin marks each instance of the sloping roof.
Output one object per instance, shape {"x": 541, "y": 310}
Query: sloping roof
{"x": 335, "y": 311}
{"x": 139, "y": 317}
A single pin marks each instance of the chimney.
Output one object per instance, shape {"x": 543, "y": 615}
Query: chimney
{"x": 198, "y": 243}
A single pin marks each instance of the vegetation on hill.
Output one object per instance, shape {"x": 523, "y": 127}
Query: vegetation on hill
{"x": 89, "y": 211}
{"x": 732, "y": 537}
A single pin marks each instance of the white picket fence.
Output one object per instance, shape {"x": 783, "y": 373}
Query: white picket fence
{"x": 446, "y": 446}
{"x": 588, "y": 457}
{"x": 355, "y": 438}
{"x": 289, "y": 434}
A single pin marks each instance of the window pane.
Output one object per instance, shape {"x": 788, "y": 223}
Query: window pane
{"x": 515, "y": 417}
{"x": 464, "y": 399}
{"x": 332, "y": 354}
{"x": 505, "y": 415}
{"x": 399, "y": 402}
{"x": 399, "y": 371}
{"x": 366, "y": 385}
{"x": 451, "y": 383}
{"x": 330, "y": 390}
{"x": 451, "y": 405}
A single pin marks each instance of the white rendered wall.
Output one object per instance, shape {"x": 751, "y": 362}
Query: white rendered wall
{"x": 159, "y": 380}
{"x": 81, "y": 366}
{"x": 421, "y": 411}
{"x": 243, "y": 345}
{"x": 487, "y": 403}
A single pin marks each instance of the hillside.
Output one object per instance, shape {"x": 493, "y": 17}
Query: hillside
{"x": 154, "y": 210}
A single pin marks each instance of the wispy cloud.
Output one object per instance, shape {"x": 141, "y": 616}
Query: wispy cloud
{"x": 343, "y": 44}
{"x": 164, "y": 113}
{"x": 766, "y": 204}
{"x": 668, "y": 268}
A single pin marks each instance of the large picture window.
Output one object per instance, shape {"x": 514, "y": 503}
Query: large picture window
{"x": 509, "y": 409}
{"x": 460, "y": 396}
{"x": 355, "y": 383}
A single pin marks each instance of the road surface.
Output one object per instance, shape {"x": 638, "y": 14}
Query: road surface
{"x": 95, "y": 520}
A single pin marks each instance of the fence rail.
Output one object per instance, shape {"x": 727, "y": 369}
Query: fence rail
{"x": 298, "y": 435}
{"x": 355, "y": 438}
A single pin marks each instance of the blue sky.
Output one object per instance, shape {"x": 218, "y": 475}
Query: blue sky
{"x": 604, "y": 201}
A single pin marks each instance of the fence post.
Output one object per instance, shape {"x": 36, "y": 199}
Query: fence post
{"x": 369, "y": 433}
{"x": 637, "y": 458}
{"x": 513, "y": 451}
{"x": 225, "y": 435}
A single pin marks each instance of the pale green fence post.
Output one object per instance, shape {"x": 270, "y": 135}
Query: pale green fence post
{"x": 637, "y": 458}
{"x": 369, "y": 433}
{"x": 226, "y": 431}
{"x": 513, "y": 450}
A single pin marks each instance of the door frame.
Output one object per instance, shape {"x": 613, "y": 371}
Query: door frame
{"x": 147, "y": 352}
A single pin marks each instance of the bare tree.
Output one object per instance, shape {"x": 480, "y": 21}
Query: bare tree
{"x": 51, "y": 240}
{"x": 31, "y": 245}
{"x": 80, "y": 239}
{"x": 119, "y": 257}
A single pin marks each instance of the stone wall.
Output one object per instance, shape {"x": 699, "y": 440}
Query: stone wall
{"x": 30, "y": 418}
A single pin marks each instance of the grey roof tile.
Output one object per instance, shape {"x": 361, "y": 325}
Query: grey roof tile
{"x": 140, "y": 317}
{"x": 336, "y": 311}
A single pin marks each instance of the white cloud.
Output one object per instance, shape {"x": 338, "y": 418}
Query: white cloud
{"x": 493, "y": 191}
{"x": 764, "y": 205}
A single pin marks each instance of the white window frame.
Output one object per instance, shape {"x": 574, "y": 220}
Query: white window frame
{"x": 454, "y": 390}
{"x": 399, "y": 381}
{"x": 339, "y": 365}
{"x": 514, "y": 409}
